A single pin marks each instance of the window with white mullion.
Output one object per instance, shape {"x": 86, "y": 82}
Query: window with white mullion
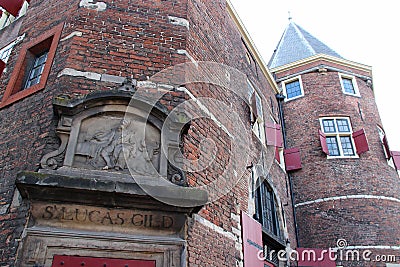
{"x": 293, "y": 88}
{"x": 349, "y": 85}
{"x": 339, "y": 138}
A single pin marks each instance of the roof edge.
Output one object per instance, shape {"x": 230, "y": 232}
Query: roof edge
{"x": 340, "y": 61}
{"x": 249, "y": 42}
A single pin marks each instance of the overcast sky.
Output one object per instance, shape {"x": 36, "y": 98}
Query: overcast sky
{"x": 362, "y": 31}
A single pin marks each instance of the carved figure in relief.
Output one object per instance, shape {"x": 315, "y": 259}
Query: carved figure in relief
{"x": 141, "y": 162}
{"x": 118, "y": 151}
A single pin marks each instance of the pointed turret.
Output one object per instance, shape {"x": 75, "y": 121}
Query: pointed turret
{"x": 297, "y": 44}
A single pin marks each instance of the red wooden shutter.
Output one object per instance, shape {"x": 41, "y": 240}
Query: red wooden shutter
{"x": 279, "y": 137}
{"x": 273, "y": 134}
{"x": 270, "y": 133}
{"x": 292, "y": 159}
{"x": 361, "y": 142}
{"x": 12, "y": 6}
{"x": 396, "y": 159}
{"x": 322, "y": 138}
{"x": 314, "y": 257}
{"x": 2, "y": 66}
{"x": 252, "y": 241}
{"x": 386, "y": 146}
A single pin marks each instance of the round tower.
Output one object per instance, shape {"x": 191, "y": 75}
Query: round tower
{"x": 347, "y": 192}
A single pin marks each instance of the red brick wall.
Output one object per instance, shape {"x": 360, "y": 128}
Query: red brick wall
{"x": 214, "y": 37}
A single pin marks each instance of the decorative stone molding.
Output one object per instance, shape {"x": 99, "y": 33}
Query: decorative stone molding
{"x": 97, "y": 5}
{"x": 104, "y": 132}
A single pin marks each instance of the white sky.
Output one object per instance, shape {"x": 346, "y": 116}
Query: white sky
{"x": 359, "y": 30}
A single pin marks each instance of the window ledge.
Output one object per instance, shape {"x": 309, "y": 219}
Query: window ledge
{"x": 294, "y": 98}
{"x": 355, "y": 95}
{"x": 21, "y": 94}
{"x": 343, "y": 157}
{"x": 275, "y": 239}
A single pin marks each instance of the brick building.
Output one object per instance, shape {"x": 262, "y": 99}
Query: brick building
{"x": 152, "y": 133}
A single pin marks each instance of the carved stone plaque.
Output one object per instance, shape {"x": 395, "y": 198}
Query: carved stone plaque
{"x": 111, "y": 142}
{"x": 103, "y": 219}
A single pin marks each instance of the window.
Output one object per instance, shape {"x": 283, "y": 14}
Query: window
{"x": 267, "y": 210}
{"x": 5, "y": 52}
{"x": 32, "y": 67}
{"x": 257, "y": 117}
{"x": 267, "y": 215}
{"x": 293, "y": 88}
{"x": 338, "y": 134}
{"x": 37, "y": 69}
{"x": 349, "y": 85}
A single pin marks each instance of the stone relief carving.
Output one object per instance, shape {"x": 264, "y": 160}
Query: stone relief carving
{"x": 117, "y": 145}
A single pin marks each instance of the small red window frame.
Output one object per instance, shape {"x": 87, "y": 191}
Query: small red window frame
{"x": 9, "y": 96}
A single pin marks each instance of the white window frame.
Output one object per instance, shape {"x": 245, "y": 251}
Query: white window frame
{"x": 5, "y": 52}
{"x": 281, "y": 162}
{"x": 8, "y": 48}
{"x": 258, "y": 126}
{"x": 353, "y": 80}
{"x": 337, "y": 134}
{"x": 289, "y": 81}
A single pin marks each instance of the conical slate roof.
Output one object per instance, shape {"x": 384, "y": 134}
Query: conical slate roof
{"x": 297, "y": 44}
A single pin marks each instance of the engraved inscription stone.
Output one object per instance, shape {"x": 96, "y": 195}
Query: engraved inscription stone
{"x": 97, "y": 218}
{"x": 107, "y": 217}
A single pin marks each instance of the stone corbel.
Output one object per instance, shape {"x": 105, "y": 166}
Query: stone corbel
{"x": 172, "y": 137}
{"x": 50, "y": 161}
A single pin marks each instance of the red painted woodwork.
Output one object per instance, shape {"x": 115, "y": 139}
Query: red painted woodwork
{"x": 12, "y": 6}
{"x": 78, "y": 261}
{"x": 324, "y": 145}
{"x": 361, "y": 142}
{"x": 292, "y": 159}
{"x": 314, "y": 257}
{"x": 252, "y": 241}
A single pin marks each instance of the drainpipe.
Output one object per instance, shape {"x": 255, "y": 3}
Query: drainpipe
{"x": 280, "y": 97}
